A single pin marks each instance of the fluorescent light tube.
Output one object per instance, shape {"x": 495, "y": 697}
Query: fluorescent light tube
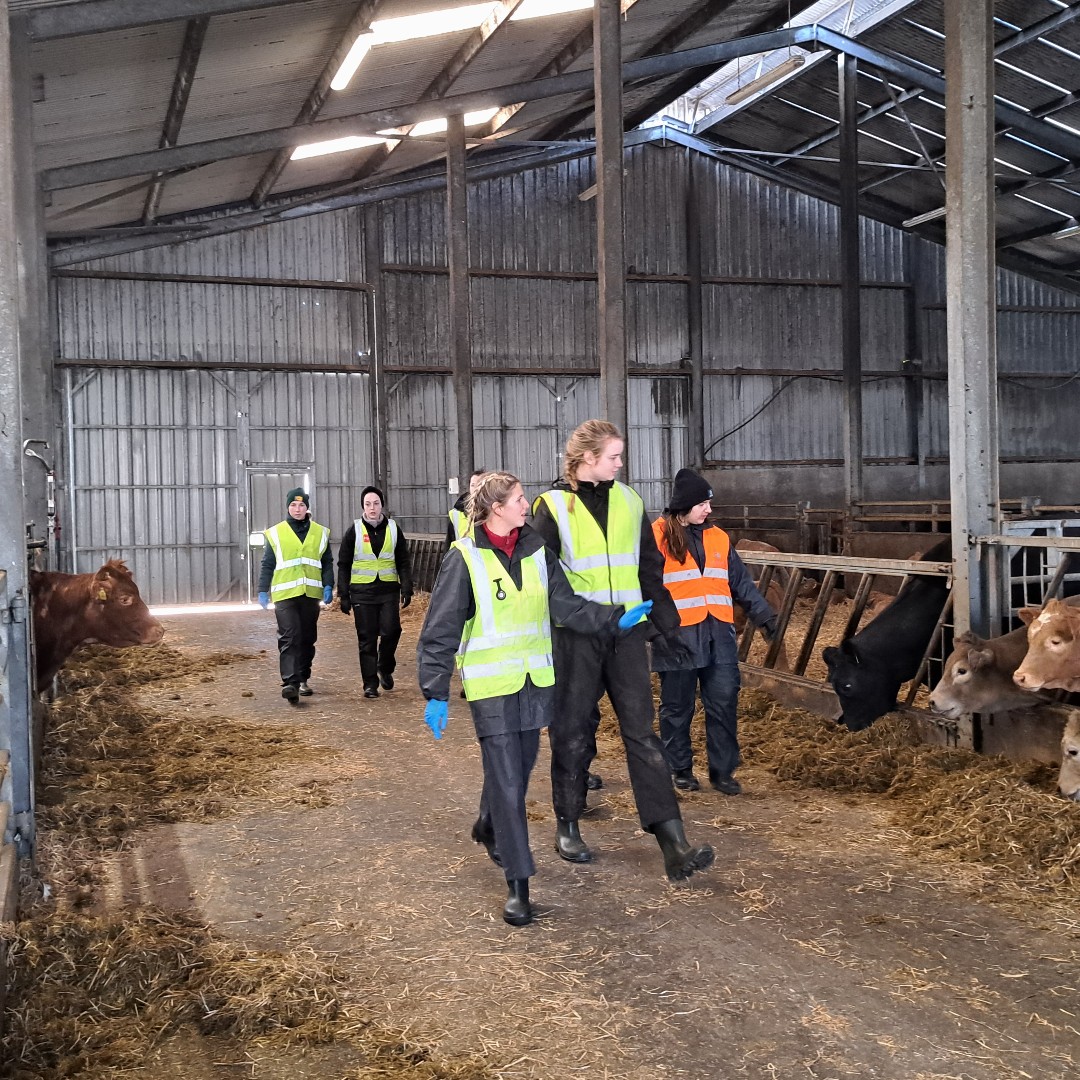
{"x": 920, "y": 219}
{"x": 360, "y": 48}
{"x": 333, "y": 146}
{"x": 766, "y": 78}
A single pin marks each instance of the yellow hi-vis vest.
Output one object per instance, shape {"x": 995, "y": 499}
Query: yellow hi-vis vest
{"x": 508, "y": 639}
{"x": 460, "y": 521}
{"x": 698, "y": 594}
{"x": 366, "y": 565}
{"x": 602, "y": 569}
{"x": 298, "y": 569}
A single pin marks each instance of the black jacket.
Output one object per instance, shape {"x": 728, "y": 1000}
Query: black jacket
{"x": 373, "y": 592}
{"x": 452, "y": 605}
{"x": 269, "y": 560}
{"x": 594, "y": 497}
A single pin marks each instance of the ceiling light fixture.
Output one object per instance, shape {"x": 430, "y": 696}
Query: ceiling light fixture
{"x": 434, "y": 127}
{"x": 921, "y": 219}
{"x": 360, "y": 48}
{"x": 1069, "y": 230}
{"x": 766, "y": 78}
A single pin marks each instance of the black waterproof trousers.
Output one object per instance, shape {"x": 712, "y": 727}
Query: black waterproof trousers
{"x": 508, "y": 760}
{"x": 585, "y": 667}
{"x": 298, "y": 630}
{"x": 378, "y": 631}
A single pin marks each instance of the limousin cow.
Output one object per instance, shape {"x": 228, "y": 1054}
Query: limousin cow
{"x": 867, "y": 670}
{"x": 76, "y": 609}
{"x": 1052, "y": 661}
{"x": 1069, "y": 777}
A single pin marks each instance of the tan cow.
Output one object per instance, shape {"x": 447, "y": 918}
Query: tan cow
{"x": 978, "y": 676}
{"x": 1053, "y": 648}
{"x": 1069, "y": 777}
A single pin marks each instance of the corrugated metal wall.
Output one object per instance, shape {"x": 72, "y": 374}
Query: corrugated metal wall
{"x": 149, "y": 479}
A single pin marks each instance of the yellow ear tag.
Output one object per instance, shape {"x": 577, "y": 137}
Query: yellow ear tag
{"x": 102, "y": 594}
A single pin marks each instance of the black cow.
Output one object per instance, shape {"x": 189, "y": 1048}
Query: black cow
{"x": 867, "y": 670}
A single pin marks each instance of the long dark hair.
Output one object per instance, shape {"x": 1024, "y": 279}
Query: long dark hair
{"x": 674, "y": 536}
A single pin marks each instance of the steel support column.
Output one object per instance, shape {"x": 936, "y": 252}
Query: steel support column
{"x": 693, "y": 314}
{"x": 610, "y": 242}
{"x": 376, "y": 328}
{"x": 850, "y": 279}
{"x": 971, "y": 304}
{"x": 15, "y": 717}
{"x": 457, "y": 247}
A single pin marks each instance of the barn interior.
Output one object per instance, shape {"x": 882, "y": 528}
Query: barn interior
{"x": 824, "y": 252}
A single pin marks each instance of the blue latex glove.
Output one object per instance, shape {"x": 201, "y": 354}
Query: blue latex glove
{"x": 435, "y": 717}
{"x": 632, "y": 616}
{"x": 327, "y": 594}
{"x": 264, "y": 600}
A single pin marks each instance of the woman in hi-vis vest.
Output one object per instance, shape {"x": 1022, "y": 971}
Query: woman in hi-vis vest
{"x": 498, "y": 590}
{"x": 704, "y": 575}
{"x": 605, "y": 543}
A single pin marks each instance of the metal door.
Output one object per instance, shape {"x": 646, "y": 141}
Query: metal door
{"x": 267, "y": 486}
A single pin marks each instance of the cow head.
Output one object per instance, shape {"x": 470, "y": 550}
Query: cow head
{"x": 1053, "y": 654}
{"x": 864, "y": 685}
{"x": 1069, "y": 777}
{"x": 975, "y": 680}
{"x": 116, "y": 614}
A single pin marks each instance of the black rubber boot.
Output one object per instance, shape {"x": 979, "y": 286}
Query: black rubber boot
{"x": 518, "y": 911}
{"x": 484, "y": 833}
{"x": 568, "y": 842}
{"x": 680, "y": 859}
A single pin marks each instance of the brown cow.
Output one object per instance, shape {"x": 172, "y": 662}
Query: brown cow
{"x": 1053, "y": 653}
{"x": 1069, "y": 777}
{"x": 978, "y": 676}
{"x": 75, "y": 609}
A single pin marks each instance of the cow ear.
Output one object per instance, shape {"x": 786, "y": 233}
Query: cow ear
{"x": 830, "y": 655}
{"x": 967, "y": 639}
{"x": 1028, "y": 615}
{"x": 980, "y": 658}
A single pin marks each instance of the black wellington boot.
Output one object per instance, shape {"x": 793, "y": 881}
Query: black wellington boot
{"x": 484, "y": 833}
{"x": 568, "y": 842}
{"x": 517, "y": 910}
{"x": 680, "y": 859}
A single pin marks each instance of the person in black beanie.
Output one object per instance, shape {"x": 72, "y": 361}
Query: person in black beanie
{"x": 374, "y": 574}
{"x": 297, "y": 573}
{"x": 705, "y": 577}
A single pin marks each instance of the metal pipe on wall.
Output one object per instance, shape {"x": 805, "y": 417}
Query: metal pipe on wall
{"x": 693, "y": 311}
{"x": 373, "y": 253}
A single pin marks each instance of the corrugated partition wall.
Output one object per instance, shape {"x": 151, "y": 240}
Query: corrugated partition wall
{"x": 175, "y": 389}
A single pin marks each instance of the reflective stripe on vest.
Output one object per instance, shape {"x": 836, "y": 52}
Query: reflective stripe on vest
{"x": 698, "y": 593}
{"x": 460, "y": 522}
{"x": 298, "y": 567}
{"x": 600, "y": 568}
{"x": 367, "y": 566}
{"x": 506, "y": 640}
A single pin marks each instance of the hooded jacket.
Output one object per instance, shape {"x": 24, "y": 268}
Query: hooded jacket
{"x": 377, "y": 591}
{"x": 269, "y": 560}
{"x": 452, "y": 605}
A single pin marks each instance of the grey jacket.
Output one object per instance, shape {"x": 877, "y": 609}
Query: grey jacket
{"x": 451, "y": 607}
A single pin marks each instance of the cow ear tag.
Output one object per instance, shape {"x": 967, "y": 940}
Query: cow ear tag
{"x": 102, "y": 594}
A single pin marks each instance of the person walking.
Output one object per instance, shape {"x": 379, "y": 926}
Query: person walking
{"x": 605, "y": 542}
{"x": 374, "y": 576}
{"x": 704, "y": 575}
{"x": 297, "y": 572}
{"x": 497, "y": 591}
{"x": 458, "y": 515}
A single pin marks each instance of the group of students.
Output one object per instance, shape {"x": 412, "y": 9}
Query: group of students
{"x": 374, "y": 577}
{"x": 541, "y": 620}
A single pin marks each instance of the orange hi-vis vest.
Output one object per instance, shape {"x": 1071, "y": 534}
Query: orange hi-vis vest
{"x": 698, "y": 593}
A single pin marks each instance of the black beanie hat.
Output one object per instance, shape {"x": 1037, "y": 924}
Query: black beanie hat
{"x": 371, "y": 490}
{"x": 298, "y": 493}
{"x": 689, "y": 490}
